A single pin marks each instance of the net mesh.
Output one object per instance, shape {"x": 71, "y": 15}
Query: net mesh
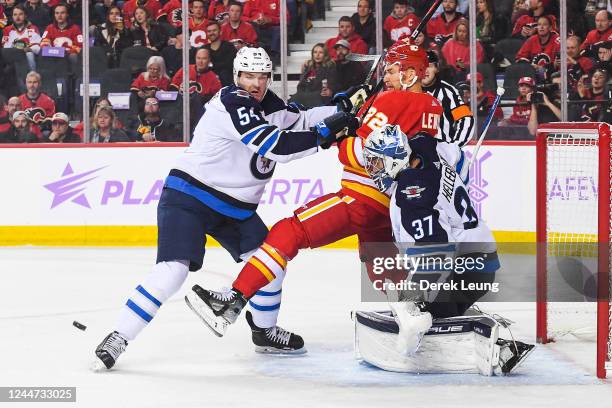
{"x": 572, "y": 226}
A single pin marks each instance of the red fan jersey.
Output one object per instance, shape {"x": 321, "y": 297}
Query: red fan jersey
{"x": 39, "y": 109}
{"x": 143, "y": 84}
{"x": 70, "y": 38}
{"x": 527, "y": 19}
{"x": 358, "y": 46}
{"x": 595, "y": 37}
{"x": 413, "y": 112}
{"x": 3, "y": 19}
{"x": 152, "y": 6}
{"x": 204, "y": 83}
{"x": 397, "y": 28}
{"x": 216, "y": 7}
{"x": 439, "y": 26}
{"x": 268, "y": 8}
{"x": 198, "y": 36}
{"x": 171, "y": 12}
{"x": 244, "y": 32}
{"x": 535, "y": 52}
{"x": 520, "y": 113}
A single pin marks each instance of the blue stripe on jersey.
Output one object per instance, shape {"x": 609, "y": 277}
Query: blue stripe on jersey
{"x": 268, "y": 144}
{"x": 430, "y": 249}
{"x": 264, "y": 308}
{"x": 207, "y": 199}
{"x": 148, "y": 296}
{"x": 136, "y": 309}
{"x": 490, "y": 266}
{"x": 264, "y": 293}
{"x": 252, "y": 133}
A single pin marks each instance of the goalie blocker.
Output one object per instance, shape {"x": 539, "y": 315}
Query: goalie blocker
{"x": 455, "y": 345}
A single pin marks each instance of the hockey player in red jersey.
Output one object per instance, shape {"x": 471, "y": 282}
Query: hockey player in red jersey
{"x": 358, "y": 208}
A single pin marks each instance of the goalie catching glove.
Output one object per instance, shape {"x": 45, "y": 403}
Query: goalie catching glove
{"x": 352, "y": 99}
{"x": 334, "y": 128}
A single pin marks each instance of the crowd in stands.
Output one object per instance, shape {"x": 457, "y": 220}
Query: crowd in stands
{"x": 136, "y": 46}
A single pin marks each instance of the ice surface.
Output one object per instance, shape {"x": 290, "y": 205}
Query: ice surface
{"x": 177, "y": 362}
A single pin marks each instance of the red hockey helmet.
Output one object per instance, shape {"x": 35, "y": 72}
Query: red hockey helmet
{"x": 408, "y": 55}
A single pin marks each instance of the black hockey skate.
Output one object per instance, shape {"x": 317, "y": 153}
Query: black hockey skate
{"x": 275, "y": 340}
{"x": 512, "y": 354}
{"x": 216, "y": 309}
{"x": 109, "y": 350}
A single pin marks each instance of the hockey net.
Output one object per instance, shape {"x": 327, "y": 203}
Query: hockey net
{"x": 574, "y": 163}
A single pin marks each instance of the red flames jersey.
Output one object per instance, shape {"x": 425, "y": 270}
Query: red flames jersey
{"x": 39, "y": 109}
{"x": 595, "y": 37}
{"x": 244, "y": 32}
{"x": 171, "y": 12}
{"x": 413, "y": 112}
{"x": 269, "y": 8}
{"x": 537, "y": 53}
{"x": 205, "y": 83}
{"x": 397, "y": 28}
{"x": 152, "y": 6}
{"x": 198, "y": 37}
{"x": 439, "y": 26}
{"x": 70, "y": 38}
{"x": 143, "y": 84}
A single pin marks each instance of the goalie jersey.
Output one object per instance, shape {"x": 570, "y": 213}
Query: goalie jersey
{"x": 236, "y": 145}
{"x": 431, "y": 205}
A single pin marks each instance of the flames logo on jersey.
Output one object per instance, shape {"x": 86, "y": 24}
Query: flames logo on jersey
{"x": 541, "y": 59}
{"x": 195, "y": 87}
{"x": 198, "y": 39}
{"x": 176, "y": 17}
{"x": 63, "y": 42}
{"x": 36, "y": 114}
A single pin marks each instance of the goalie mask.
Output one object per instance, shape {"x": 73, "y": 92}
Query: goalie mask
{"x": 249, "y": 59}
{"x": 386, "y": 152}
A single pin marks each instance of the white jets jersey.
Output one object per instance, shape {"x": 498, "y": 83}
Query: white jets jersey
{"x": 432, "y": 205}
{"x": 236, "y": 145}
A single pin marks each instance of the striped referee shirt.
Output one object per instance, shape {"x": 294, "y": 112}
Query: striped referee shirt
{"x": 457, "y": 123}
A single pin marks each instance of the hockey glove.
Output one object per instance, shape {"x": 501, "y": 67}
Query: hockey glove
{"x": 352, "y": 99}
{"x": 334, "y": 127}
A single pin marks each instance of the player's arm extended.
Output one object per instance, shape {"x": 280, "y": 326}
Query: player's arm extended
{"x": 258, "y": 134}
{"x": 293, "y": 116}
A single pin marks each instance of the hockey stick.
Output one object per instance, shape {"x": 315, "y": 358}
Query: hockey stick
{"x": 485, "y": 127}
{"x": 413, "y": 36}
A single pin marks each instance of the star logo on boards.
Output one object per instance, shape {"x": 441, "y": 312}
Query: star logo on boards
{"x": 71, "y": 187}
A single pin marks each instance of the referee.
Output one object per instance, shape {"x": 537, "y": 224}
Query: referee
{"x": 457, "y": 123}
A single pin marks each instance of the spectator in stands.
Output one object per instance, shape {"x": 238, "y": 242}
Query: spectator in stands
{"x": 5, "y": 120}
{"x": 519, "y": 9}
{"x": 153, "y": 8}
{"x": 577, "y": 65}
{"x": 443, "y": 27}
{"x": 484, "y": 101}
{"x": 527, "y": 25}
{"x": 146, "y": 32}
{"x": 102, "y": 129}
{"x": 456, "y": 51}
{"x": 197, "y": 24}
{"x": 485, "y": 25}
{"x": 521, "y": 111}
{"x": 61, "y": 132}
{"x": 346, "y": 32}
{"x": 592, "y": 109}
{"x": 63, "y": 33}
{"x": 348, "y": 73}
{"x": 604, "y": 56}
{"x": 22, "y": 35}
{"x": 13, "y": 105}
{"x": 100, "y": 103}
{"x": 202, "y": 80}
{"x": 171, "y": 13}
{"x": 38, "y": 13}
{"x": 113, "y": 36}
{"x": 399, "y": 23}
{"x": 153, "y": 80}
{"x": 3, "y": 19}
{"x": 543, "y": 110}
{"x": 8, "y": 11}
{"x": 365, "y": 24}
{"x": 19, "y": 130}
{"x": 152, "y": 128}
{"x": 318, "y": 79}
{"x": 540, "y": 50}
{"x": 265, "y": 17}
{"x": 75, "y": 11}
{"x": 235, "y": 28}
{"x": 222, "y": 54}
{"x": 219, "y": 8}
{"x": 39, "y": 106}
{"x": 600, "y": 34}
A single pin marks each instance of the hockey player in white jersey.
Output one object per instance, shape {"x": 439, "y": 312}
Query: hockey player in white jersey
{"x": 432, "y": 216}
{"x": 214, "y": 188}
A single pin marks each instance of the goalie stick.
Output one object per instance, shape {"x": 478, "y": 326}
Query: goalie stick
{"x": 485, "y": 127}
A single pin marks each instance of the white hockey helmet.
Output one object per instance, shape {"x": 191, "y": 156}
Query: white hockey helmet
{"x": 386, "y": 152}
{"x": 250, "y": 59}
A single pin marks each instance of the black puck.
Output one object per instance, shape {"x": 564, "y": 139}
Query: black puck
{"x": 79, "y": 325}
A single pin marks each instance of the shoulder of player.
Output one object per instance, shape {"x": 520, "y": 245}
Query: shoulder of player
{"x": 414, "y": 187}
{"x": 232, "y": 96}
{"x": 271, "y": 103}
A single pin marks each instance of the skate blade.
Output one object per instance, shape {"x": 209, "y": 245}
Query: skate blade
{"x": 216, "y": 324}
{"x": 521, "y": 360}
{"x": 275, "y": 351}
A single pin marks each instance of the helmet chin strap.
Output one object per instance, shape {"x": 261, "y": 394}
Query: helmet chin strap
{"x": 408, "y": 85}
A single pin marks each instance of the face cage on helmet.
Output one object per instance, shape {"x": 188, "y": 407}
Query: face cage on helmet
{"x": 376, "y": 169}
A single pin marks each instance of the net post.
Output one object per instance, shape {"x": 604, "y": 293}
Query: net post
{"x": 603, "y": 232}
{"x": 541, "y": 284}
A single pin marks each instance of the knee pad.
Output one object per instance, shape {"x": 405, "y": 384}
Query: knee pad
{"x": 167, "y": 278}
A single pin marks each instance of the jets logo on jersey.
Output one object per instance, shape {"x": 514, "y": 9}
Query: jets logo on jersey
{"x": 262, "y": 168}
{"x": 413, "y": 192}
{"x": 242, "y": 93}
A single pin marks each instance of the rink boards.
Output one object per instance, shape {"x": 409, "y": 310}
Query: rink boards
{"x": 108, "y": 194}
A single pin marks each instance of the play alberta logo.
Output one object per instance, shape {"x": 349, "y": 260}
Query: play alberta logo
{"x": 71, "y": 186}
